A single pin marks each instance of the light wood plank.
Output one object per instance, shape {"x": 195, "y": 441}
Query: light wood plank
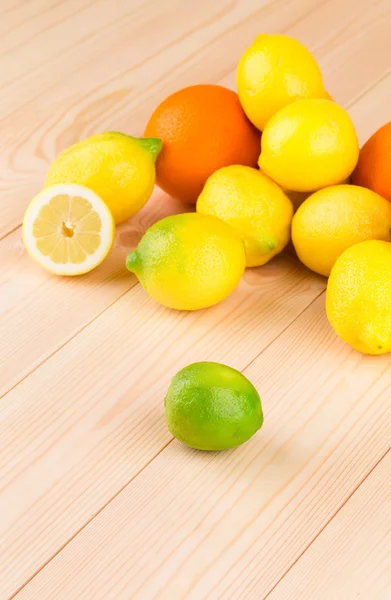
{"x": 32, "y": 25}
{"x": 40, "y": 313}
{"x": 106, "y": 73}
{"x": 22, "y": 304}
{"x": 40, "y": 292}
{"x": 351, "y": 558}
{"x": 228, "y": 525}
{"x": 84, "y": 423}
{"x": 374, "y": 111}
{"x": 70, "y": 443}
{"x": 100, "y": 91}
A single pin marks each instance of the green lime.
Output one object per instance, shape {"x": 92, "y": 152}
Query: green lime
{"x": 210, "y": 406}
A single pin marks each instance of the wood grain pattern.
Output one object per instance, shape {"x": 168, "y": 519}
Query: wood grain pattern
{"x": 352, "y": 556}
{"x": 112, "y": 62}
{"x": 96, "y": 500}
{"x": 229, "y": 525}
{"x": 86, "y": 86}
{"x": 31, "y": 329}
{"x": 94, "y": 412}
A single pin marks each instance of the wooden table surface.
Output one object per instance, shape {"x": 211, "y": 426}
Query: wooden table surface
{"x": 97, "y": 501}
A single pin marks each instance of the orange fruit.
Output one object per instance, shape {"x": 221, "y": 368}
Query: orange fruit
{"x": 203, "y": 128}
{"x": 374, "y": 163}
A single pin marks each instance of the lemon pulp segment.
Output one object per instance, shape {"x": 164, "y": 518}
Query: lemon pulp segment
{"x": 68, "y": 229}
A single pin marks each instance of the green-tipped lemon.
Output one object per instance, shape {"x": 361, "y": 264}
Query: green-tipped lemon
{"x": 188, "y": 261}
{"x": 255, "y": 206}
{"x": 210, "y": 406}
{"x": 117, "y": 167}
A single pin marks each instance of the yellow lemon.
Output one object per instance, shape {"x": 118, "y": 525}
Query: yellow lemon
{"x": 188, "y": 261}
{"x": 273, "y": 72}
{"x": 254, "y": 206}
{"x": 308, "y": 145}
{"x": 333, "y": 219}
{"x": 119, "y": 168}
{"x": 358, "y": 297}
{"x": 68, "y": 229}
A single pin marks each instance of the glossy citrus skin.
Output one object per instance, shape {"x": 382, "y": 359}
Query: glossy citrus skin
{"x": 203, "y": 128}
{"x": 273, "y": 72}
{"x": 254, "y": 206}
{"x": 358, "y": 297}
{"x": 117, "y": 167}
{"x": 189, "y": 261}
{"x": 210, "y": 406}
{"x": 374, "y": 164}
{"x": 335, "y": 218}
{"x": 308, "y": 145}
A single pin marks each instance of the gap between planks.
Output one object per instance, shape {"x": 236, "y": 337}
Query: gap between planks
{"x": 154, "y": 457}
{"x": 268, "y": 10}
{"x": 327, "y": 523}
{"x": 126, "y": 292}
{"x": 350, "y": 105}
{"x": 327, "y": 432}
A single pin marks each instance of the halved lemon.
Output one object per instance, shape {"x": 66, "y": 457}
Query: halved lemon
{"x": 68, "y": 229}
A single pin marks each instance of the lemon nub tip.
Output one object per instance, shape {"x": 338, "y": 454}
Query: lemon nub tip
{"x": 267, "y": 245}
{"x": 132, "y": 262}
{"x": 152, "y": 145}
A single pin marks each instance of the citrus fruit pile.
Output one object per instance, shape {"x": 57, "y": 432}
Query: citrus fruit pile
{"x": 278, "y": 160}
{"x": 69, "y": 227}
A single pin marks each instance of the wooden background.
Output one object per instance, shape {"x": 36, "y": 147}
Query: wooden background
{"x": 97, "y": 501}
